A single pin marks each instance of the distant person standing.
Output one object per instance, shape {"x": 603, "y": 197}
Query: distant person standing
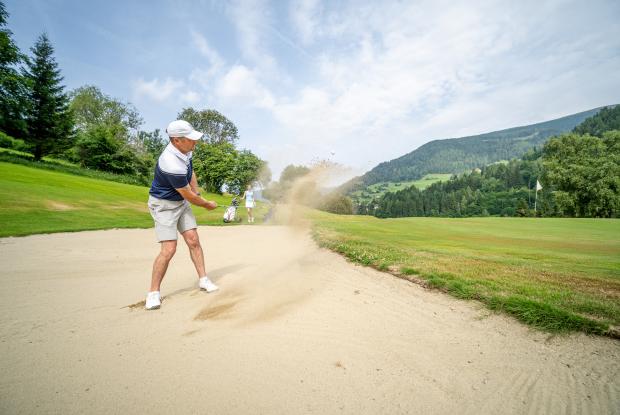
{"x": 174, "y": 188}
{"x": 248, "y": 195}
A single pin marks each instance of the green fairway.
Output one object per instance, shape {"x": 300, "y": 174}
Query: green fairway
{"x": 42, "y": 201}
{"x": 556, "y": 274}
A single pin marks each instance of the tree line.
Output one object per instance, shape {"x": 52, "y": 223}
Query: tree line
{"x": 96, "y": 131}
{"x": 579, "y": 172}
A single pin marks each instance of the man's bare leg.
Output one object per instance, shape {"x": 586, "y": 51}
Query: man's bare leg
{"x": 168, "y": 248}
{"x": 195, "y": 251}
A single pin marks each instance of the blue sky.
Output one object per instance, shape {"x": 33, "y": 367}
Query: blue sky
{"x": 354, "y": 82}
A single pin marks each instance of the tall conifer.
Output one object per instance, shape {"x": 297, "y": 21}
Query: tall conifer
{"x": 11, "y": 82}
{"x": 49, "y": 120}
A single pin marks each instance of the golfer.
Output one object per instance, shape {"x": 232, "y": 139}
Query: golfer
{"x": 174, "y": 188}
{"x": 248, "y": 195}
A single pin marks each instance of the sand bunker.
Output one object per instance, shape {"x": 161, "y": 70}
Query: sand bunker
{"x": 294, "y": 329}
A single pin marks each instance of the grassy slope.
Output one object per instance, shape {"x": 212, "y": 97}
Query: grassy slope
{"x": 427, "y": 180}
{"x": 41, "y": 201}
{"x": 63, "y": 166}
{"x": 29, "y": 156}
{"x": 555, "y": 274}
{"x": 378, "y": 189}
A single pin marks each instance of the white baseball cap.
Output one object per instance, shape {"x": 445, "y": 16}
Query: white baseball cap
{"x": 181, "y": 128}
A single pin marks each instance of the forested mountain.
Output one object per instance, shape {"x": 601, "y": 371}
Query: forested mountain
{"x": 456, "y": 155}
{"x": 607, "y": 119}
{"x": 579, "y": 173}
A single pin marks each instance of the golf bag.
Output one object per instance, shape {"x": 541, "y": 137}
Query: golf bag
{"x": 231, "y": 211}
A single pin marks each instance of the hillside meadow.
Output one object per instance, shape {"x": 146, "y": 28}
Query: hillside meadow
{"x": 42, "y": 201}
{"x": 555, "y": 274}
{"x": 379, "y": 189}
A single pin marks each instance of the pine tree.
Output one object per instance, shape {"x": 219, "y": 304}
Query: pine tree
{"x": 50, "y": 124}
{"x": 12, "y": 88}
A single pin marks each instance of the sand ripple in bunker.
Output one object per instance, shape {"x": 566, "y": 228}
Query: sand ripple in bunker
{"x": 216, "y": 311}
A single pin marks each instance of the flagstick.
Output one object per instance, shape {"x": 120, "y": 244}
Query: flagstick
{"x": 538, "y": 187}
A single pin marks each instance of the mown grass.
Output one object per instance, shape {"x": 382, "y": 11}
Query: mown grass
{"x": 554, "y": 274}
{"x": 36, "y": 200}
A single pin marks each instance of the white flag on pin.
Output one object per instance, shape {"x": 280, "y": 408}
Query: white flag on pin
{"x": 538, "y": 186}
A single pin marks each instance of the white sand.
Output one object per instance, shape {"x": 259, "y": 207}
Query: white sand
{"x": 294, "y": 329}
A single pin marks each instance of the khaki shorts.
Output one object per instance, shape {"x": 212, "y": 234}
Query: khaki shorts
{"x": 171, "y": 216}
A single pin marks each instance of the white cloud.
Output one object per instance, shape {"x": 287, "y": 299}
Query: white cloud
{"x": 251, "y": 19}
{"x": 170, "y": 89}
{"x": 305, "y": 17}
{"x": 190, "y": 97}
{"x": 240, "y": 85}
{"x": 216, "y": 63}
{"x": 155, "y": 89}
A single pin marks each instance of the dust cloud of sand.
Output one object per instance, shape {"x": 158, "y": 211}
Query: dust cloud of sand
{"x": 277, "y": 283}
{"x": 307, "y": 191}
{"x": 272, "y": 269}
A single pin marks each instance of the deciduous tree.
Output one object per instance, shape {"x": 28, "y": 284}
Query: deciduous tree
{"x": 585, "y": 171}
{"x": 216, "y": 127}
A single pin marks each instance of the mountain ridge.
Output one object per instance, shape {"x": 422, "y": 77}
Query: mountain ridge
{"x": 456, "y": 155}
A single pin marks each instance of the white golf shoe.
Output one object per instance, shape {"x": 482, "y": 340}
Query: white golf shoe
{"x": 205, "y": 284}
{"x": 153, "y": 301}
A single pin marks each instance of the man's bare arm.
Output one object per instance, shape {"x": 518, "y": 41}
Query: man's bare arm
{"x": 194, "y": 182}
{"x": 191, "y": 196}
